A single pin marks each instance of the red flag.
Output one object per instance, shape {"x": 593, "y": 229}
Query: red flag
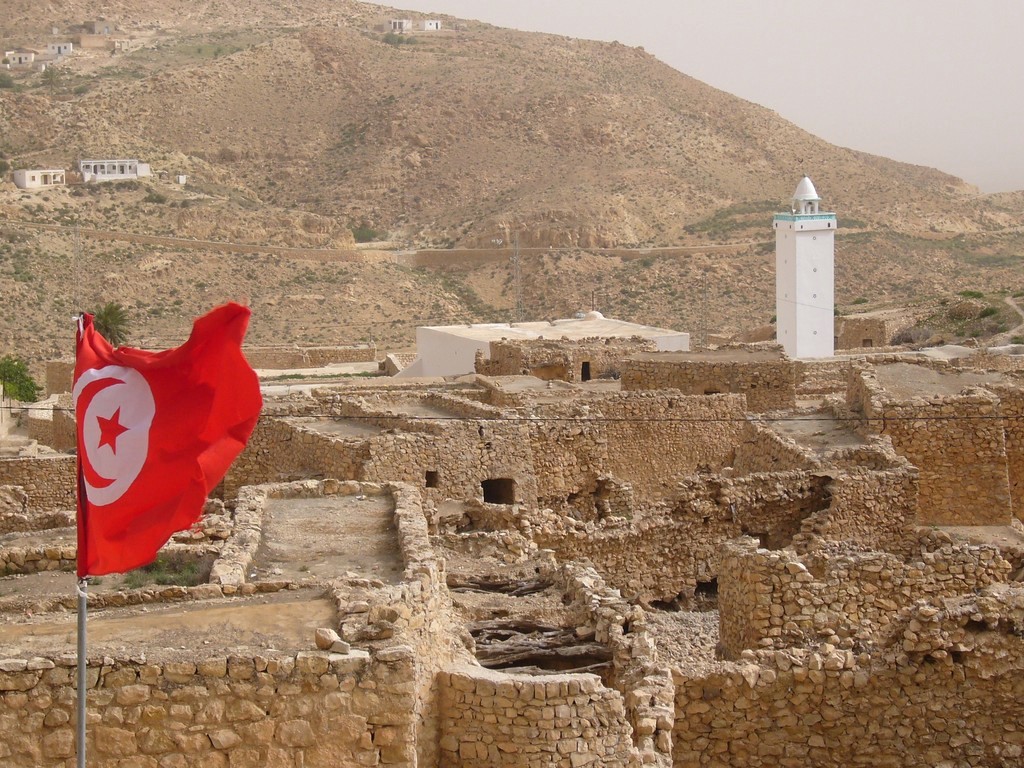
{"x": 156, "y": 431}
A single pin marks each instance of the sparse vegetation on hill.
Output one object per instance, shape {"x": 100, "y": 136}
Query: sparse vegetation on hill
{"x": 299, "y": 127}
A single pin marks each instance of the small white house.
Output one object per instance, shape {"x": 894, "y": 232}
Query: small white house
{"x": 401, "y": 26}
{"x": 20, "y": 57}
{"x": 112, "y": 170}
{"x": 33, "y": 178}
{"x": 60, "y": 49}
{"x": 431, "y": 25}
{"x": 450, "y": 350}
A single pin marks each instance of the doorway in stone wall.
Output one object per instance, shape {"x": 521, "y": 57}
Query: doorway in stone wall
{"x": 585, "y": 371}
{"x": 499, "y": 490}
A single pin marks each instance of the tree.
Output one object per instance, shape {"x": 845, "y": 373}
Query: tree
{"x": 52, "y": 78}
{"x": 112, "y": 321}
{"x": 16, "y": 381}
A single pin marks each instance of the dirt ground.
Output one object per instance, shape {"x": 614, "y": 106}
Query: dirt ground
{"x": 255, "y": 625}
{"x": 329, "y": 537}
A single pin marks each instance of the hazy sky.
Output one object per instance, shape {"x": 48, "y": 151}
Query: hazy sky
{"x": 934, "y": 82}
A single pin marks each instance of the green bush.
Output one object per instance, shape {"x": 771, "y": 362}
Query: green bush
{"x": 971, "y": 294}
{"x": 181, "y": 569}
{"x": 364, "y": 233}
{"x": 987, "y": 312}
{"x": 6, "y": 81}
{"x": 16, "y": 381}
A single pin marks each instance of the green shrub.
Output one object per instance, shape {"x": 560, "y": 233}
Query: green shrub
{"x": 16, "y": 381}
{"x": 859, "y": 300}
{"x": 177, "y": 568}
{"x": 987, "y": 312}
{"x": 364, "y": 233}
{"x": 6, "y": 81}
{"x": 971, "y": 294}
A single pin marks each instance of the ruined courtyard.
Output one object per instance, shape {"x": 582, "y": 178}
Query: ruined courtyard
{"x": 716, "y": 558}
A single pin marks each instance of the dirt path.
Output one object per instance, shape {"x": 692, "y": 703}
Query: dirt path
{"x": 1004, "y": 338}
{"x": 284, "y": 620}
{"x": 328, "y": 537}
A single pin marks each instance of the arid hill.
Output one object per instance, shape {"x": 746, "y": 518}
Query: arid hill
{"x": 304, "y": 125}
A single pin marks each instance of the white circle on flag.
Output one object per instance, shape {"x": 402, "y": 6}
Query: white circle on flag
{"x": 118, "y": 413}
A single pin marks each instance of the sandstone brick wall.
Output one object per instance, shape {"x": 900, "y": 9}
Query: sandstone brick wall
{"x": 956, "y": 442}
{"x": 492, "y": 720}
{"x": 863, "y": 332}
{"x": 307, "y": 708}
{"x": 563, "y": 360}
{"x": 60, "y": 375}
{"x": 821, "y": 377}
{"x": 282, "y": 358}
{"x": 768, "y": 385}
{"x": 955, "y": 702}
{"x": 1011, "y": 407}
{"x": 653, "y": 437}
{"x": 779, "y": 599}
{"x": 871, "y": 509}
{"x": 49, "y": 481}
{"x": 286, "y": 449}
{"x": 760, "y": 449}
{"x": 52, "y": 423}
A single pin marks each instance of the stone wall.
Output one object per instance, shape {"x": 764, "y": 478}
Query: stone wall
{"x": 863, "y": 332}
{"x": 1011, "y": 407}
{"x": 60, "y": 374}
{"x": 52, "y": 423}
{"x": 307, "y": 708}
{"x": 550, "y": 452}
{"x": 491, "y": 719}
{"x": 283, "y": 358}
{"x": 957, "y": 443}
{"x": 288, "y": 449}
{"x": 821, "y": 377}
{"x": 954, "y": 702}
{"x": 655, "y": 437}
{"x": 767, "y": 384}
{"x": 779, "y": 599}
{"x": 576, "y": 360}
{"x": 299, "y": 708}
{"x": 49, "y": 481}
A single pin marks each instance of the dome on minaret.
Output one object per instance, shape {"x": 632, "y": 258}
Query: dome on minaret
{"x": 805, "y": 190}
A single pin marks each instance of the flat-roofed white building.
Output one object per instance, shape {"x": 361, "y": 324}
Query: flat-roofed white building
{"x": 450, "y": 350}
{"x": 112, "y": 170}
{"x": 60, "y": 49}
{"x": 431, "y": 25}
{"x": 401, "y": 26}
{"x": 38, "y": 178}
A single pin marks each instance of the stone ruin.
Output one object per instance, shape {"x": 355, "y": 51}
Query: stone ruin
{"x": 728, "y": 559}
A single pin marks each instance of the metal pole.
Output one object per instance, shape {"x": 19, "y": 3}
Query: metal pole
{"x": 82, "y": 586}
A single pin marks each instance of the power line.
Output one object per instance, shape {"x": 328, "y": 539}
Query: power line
{"x": 755, "y": 419}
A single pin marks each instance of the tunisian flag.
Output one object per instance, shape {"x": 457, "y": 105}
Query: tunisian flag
{"x": 156, "y": 431}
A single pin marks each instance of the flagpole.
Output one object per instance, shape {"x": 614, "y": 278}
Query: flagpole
{"x": 81, "y": 588}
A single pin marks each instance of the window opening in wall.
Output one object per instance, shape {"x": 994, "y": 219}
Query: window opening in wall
{"x": 499, "y": 490}
{"x": 866, "y": 343}
{"x": 712, "y": 391}
{"x": 431, "y": 479}
{"x": 585, "y": 371}
{"x": 705, "y": 596}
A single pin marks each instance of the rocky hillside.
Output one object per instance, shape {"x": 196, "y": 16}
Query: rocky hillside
{"x": 302, "y": 124}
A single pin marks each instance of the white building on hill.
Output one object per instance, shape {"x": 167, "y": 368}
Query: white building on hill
{"x": 112, "y": 170}
{"x": 31, "y": 178}
{"x": 450, "y": 350}
{"x": 805, "y": 276}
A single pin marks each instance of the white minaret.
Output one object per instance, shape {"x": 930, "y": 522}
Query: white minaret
{"x": 805, "y": 276}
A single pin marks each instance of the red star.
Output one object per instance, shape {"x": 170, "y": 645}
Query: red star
{"x": 110, "y": 430}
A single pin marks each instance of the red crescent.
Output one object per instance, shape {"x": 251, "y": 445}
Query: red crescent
{"x": 92, "y": 477}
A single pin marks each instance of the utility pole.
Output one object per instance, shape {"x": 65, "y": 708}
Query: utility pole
{"x": 517, "y": 279}
{"x": 702, "y": 336}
